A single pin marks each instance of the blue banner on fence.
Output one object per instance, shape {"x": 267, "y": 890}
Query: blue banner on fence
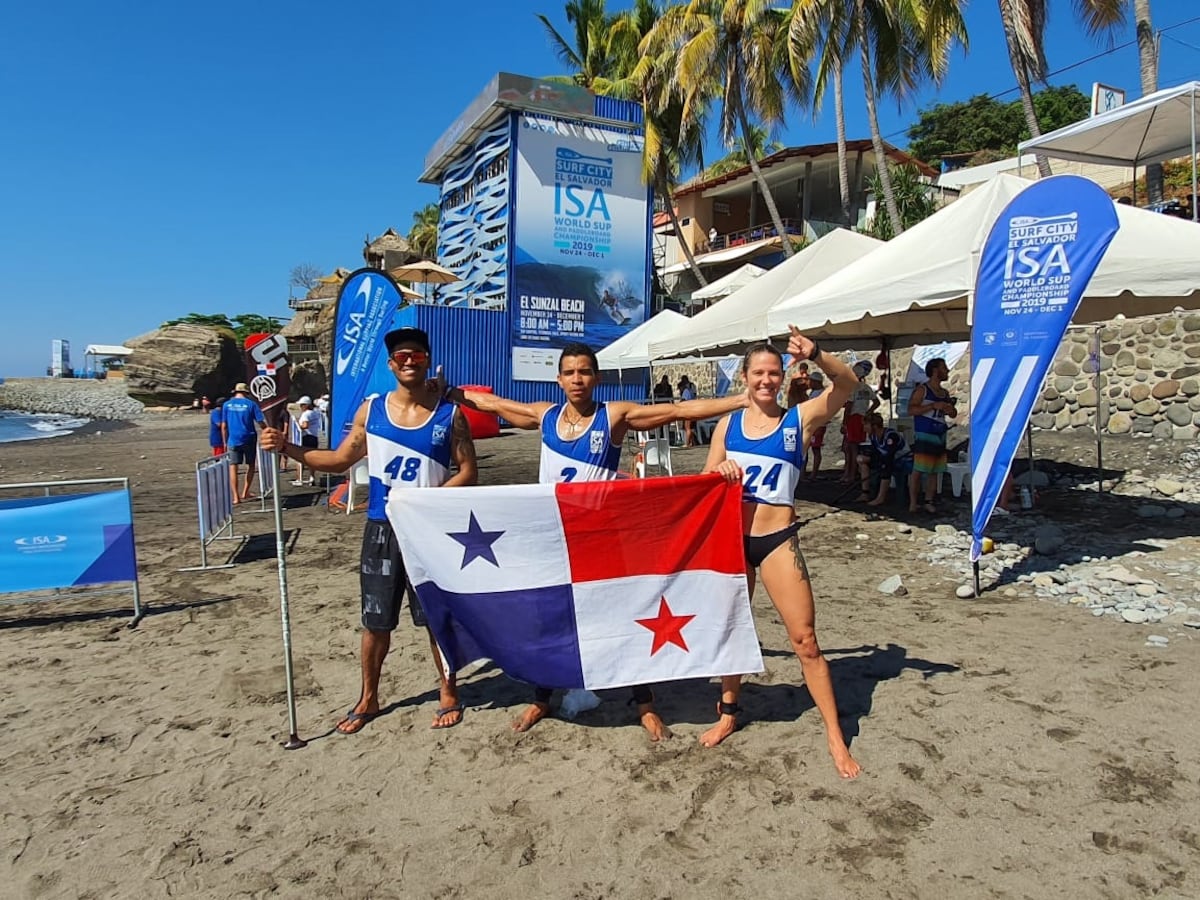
{"x": 1035, "y": 267}
{"x": 366, "y": 306}
{"x": 75, "y": 539}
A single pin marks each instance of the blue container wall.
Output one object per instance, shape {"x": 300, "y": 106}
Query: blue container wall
{"x": 474, "y": 346}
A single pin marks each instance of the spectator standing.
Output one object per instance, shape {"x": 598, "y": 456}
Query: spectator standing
{"x": 216, "y": 432}
{"x": 309, "y": 423}
{"x": 240, "y": 417}
{"x": 930, "y": 405}
{"x": 862, "y": 401}
{"x": 687, "y": 391}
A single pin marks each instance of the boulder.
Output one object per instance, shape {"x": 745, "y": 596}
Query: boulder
{"x": 1191, "y": 323}
{"x": 1119, "y": 423}
{"x": 177, "y": 363}
{"x": 1165, "y": 389}
{"x": 1139, "y": 392}
{"x": 1086, "y": 397}
{"x": 1179, "y": 414}
{"x": 1067, "y": 368}
{"x": 1190, "y": 388}
{"x": 309, "y": 378}
{"x": 1147, "y": 407}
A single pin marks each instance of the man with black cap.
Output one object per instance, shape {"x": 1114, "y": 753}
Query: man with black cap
{"x": 411, "y": 439}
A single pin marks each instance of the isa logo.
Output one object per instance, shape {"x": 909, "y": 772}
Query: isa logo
{"x": 41, "y": 543}
{"x": 789, "y": 440}
{"x": 596, "y": 441}
{"x": 439, "y": 435}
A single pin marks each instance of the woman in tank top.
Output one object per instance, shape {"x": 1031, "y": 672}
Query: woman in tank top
{"x": 762, "y": 446}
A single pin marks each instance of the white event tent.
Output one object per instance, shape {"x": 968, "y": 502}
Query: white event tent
{"x": 1155, "y": 128}
{"x": 728, "y": 284}
{"x": 629, "y": 351}
{"x": 741, "y": 318}
{"x": 918, "y": 286}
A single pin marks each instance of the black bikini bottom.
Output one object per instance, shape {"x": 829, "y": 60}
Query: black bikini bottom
{"x": 759, "y": 546}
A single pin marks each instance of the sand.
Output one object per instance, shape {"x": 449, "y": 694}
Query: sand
{"x": 1012, "y": 747}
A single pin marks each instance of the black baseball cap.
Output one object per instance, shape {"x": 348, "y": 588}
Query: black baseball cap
{"x": 406, "y": 335}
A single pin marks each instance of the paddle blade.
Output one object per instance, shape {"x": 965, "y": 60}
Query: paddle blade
{"x": 269, "y": 374}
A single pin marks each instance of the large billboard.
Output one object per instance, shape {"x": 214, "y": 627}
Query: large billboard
{"x": 581, "y": 241}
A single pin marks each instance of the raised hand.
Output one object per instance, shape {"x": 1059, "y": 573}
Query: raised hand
{"x": 798, "y": 345}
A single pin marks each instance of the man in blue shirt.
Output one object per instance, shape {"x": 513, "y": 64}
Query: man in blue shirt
{"x": 216, "y": 430}
{"x": 240, "y": 415}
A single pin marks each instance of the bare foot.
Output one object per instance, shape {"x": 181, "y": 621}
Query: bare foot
{"x": 533, "y": 714}
{"x": 846, "y": 764}
{"x": 653, "y": 724}
{"x": 876, "y": 502}
{"x": 725, "y": 726}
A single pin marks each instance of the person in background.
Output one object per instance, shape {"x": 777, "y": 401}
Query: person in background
{"x": 816, "y": 439}
{"x": 240, "y": 417}
{"x": 309, "y": 422}
{"x": 864, "y": 400}
{"x": 687, "y": 391}
{"x": 216, "y": 431}
{"x": 930, "y": 405}
{"x": 887, "y": 455}
{"x": 662, "y": 390}
{"x": 799, "y": 387}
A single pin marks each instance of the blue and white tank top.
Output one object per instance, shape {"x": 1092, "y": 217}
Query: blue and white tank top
{"x": 589, "y": 457}
{"x": 771, "y": 464}
{"x": 934, "y": 421}
{"x": 405, "y": 457}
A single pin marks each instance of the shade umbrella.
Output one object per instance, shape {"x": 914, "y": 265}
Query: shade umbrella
{"x": 408, "y": 293}
{"x": 424, "y": 272}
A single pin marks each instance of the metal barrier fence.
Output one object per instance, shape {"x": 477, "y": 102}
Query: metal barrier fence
{"x": 214, "y": 505}
{"x": 53, "y": 544}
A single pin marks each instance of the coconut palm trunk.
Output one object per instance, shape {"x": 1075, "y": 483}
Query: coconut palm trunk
{"x": 839, "y": 110}
{"x": 663, "y": 186}
{"x": 881, "y": 160}
{"x": 764, "y": 188}
{"x": 1148, "y": 72}
{"x": 1021, "y": 71}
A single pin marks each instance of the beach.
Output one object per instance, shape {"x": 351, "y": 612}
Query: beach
{"x": 1012, "y": 745}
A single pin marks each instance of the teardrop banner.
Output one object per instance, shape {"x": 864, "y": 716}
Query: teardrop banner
{"x": 269, "y": 376}
{"x": 1034, "y": 270}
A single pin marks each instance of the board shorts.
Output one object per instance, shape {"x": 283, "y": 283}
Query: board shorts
{"x": 929, "y": 453}
{"x": 245, "y": 455}
{"x": 855, "y": 430}
{"x": 383, "y": 580}
{"x": 219, "y": 450}
{"x": 818, "y": 438}
{"x": 309, "y": 440}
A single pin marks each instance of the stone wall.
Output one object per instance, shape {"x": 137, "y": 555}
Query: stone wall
{"x": 1149, "y": 380}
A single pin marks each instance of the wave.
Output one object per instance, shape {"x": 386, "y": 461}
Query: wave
{"x": 16, "y": 426}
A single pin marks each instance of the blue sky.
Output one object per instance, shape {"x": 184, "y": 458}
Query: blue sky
{"x": 160, "y": 159}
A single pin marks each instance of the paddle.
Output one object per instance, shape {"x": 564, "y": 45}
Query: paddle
{"x": 268, "y": 373}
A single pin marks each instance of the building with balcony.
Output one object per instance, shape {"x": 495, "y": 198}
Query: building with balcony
{"x": 725, "y": 221}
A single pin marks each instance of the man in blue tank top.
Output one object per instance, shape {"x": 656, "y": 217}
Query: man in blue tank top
{"x": 410, "y": 438}
{"x": 581, "y": 441}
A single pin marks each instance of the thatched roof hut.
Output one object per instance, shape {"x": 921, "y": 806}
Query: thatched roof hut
{"x": 388, "y": 251}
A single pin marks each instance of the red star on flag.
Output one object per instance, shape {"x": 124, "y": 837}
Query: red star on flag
{"x": 667, "y": 627}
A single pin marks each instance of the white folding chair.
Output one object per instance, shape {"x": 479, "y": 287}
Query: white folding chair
{"x": 656, "y": 451}
{"x": 359, "y": 475}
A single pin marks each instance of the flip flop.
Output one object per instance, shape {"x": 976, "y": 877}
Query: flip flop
{"x": 445, "y": 711}
{"x": 357, "y": 719}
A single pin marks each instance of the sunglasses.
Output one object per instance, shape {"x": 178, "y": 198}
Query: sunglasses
{"x": 404, "y": 357}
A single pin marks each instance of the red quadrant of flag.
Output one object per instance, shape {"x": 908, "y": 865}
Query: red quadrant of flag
{"x": 652, "y": 526}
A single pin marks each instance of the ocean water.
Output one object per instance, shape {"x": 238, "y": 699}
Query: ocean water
{"x": 19, "y": 426}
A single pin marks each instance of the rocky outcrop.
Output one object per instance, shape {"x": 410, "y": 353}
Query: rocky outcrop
{"x": 309, "y": 378}
{"x": 177, "y": 363}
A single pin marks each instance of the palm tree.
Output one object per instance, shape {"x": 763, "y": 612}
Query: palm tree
{"x": 760, "y": 145}
{"x": 1024, "y": 23}
{"x": 817, "y": 31}
{"x": 673, "y": 142}
{"x": 1148, "y": 70}
{"x": 423, "y": 235}
{"x": 588, "y": 52}
{"x": 730, "y": 50}
{"x": 899, "y": 43}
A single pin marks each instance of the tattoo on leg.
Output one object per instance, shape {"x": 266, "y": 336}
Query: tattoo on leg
{"x": 801, "y": 566}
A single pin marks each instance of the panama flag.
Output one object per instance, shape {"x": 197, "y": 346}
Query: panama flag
{"x": 587, "y": 585}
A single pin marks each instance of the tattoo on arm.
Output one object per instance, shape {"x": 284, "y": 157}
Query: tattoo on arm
{"x": 801, "y": 566}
